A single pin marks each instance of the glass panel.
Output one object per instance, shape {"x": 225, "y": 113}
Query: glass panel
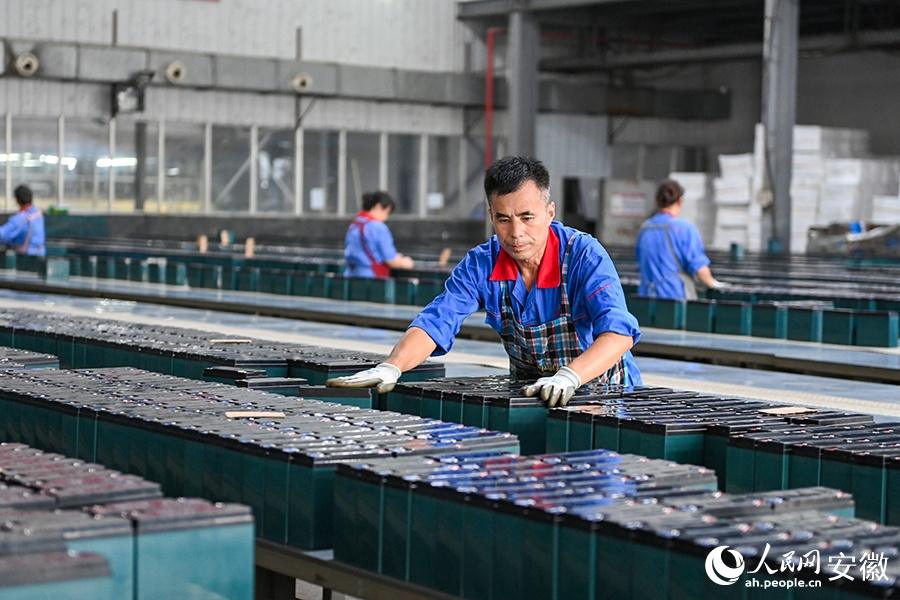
{"x": 184, "y": 168}
{"x": 34, "y": 157}
{"x": 403, "y": 171}
{"x": 443, "y": 195}
{"x": 86, "y": 156}
{"x": 362, "y": 167}
{"x": 320, "y": 171}
{"x": 230, "y": 168}
{"x": 137, "y": 150}
{"x": 276, "y": 171}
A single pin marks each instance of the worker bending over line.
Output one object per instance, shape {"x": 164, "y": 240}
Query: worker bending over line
{"x": 369, "y": 246}
{"x": 550, "y": 291}
{"x": 24, "y": 231}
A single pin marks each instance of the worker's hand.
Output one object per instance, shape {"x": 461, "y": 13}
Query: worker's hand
{"x": 382, "y": 377}
{"x": 557, "y": 389}
{"x": 720, "y": 285}
{"x": 408, "y": 263}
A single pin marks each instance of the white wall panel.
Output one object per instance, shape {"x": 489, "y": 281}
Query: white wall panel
{"x": 51, "y": 98}
{"x": 88, "y": 21}
{"x": 407, "y": 34}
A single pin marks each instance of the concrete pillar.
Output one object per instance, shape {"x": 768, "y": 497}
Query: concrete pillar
{"x": 160, "y": 165}
{"x": 383, "y": 161}
{"x": 298, "y": 169}
{"x": 421, "y": 208}
{"x": 779, "y": 108}
{"x": 140, "y": 169}
{"x": 60, "y": 153}
{"x": 342, "y": 173}
{"x": 111, "y": 172}
{"x": 207, "y": 168}
{"x": 254, "y": 169}
{"x": 522, "y": 61}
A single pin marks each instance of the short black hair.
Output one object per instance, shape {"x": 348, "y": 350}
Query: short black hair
{"x": 23, "y": 195}
{"x": 509, "y": 173}
{"x": 383, "y": 199}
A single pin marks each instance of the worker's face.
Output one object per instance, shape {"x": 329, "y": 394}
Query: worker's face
{"x": 522, "y": 221}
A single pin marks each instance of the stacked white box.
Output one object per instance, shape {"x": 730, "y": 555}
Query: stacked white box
{"x": 733, "y": 190}
{"x": 736, "y": 208}
{"x": 814, "y": 146}
{"x": 850, "y": 186}
{"x": 830, "y": 142}
{"x": 736, "y": 165}
{"x": 698, "y": 206}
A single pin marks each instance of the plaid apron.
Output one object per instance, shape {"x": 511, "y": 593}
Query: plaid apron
{"x": 540, "y": 350}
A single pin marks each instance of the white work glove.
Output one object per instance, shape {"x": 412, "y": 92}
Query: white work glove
{"x": 382, "y": 377}
{"x": 720, "y": 285}
{"x": 557, "y": 389}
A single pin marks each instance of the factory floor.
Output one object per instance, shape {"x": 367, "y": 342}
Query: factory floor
{"x": 473, "y": 358}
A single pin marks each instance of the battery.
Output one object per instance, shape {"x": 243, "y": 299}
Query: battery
{"x": 59, "y": 574}
{"x": 198, "y": 545}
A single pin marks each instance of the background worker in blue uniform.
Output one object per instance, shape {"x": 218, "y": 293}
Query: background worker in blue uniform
{"x": 24, "y": 231}
{"x": 369, "y": 246}
{"x": 670, "y": 253}
{"x": 550, "y": 291}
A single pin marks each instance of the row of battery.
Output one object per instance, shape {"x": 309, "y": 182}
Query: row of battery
{"x": 87, "y": 342}
{"x": 273, "y": 453}
{"x": 590, "y": 525}
{"x": 78, "y": 530}
{"x": 751, "y": 445}
{"x": 13, "y": 358}
{"x": 497, "y": 402}
{"x": 294, "y": 271}
{"x": 750, "y": 448}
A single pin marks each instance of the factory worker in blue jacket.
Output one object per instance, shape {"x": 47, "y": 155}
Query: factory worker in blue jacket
{"x": 369, "y": 249}
{"x": 670, "y": 253}
{"x": 550, "y": 291}
{"x": 24, "y": 231}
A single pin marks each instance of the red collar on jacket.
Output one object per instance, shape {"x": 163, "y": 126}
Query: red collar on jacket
{"x": 548, "y": 275}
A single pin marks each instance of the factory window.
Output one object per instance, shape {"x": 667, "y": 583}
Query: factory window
{"x": 276, "y": 171}
{"x": 403, "y": 171}
{"x": 135, "y": 166}
{"x": 443, "y": 190}
{"x": 34, "y": 156}
{"x": 230, "y": 168}
{"x": 183, "y": 191}
{"x": 86, "y": 160}
{"x": 320, "y": 171}
{"x": 362, "y": 167}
